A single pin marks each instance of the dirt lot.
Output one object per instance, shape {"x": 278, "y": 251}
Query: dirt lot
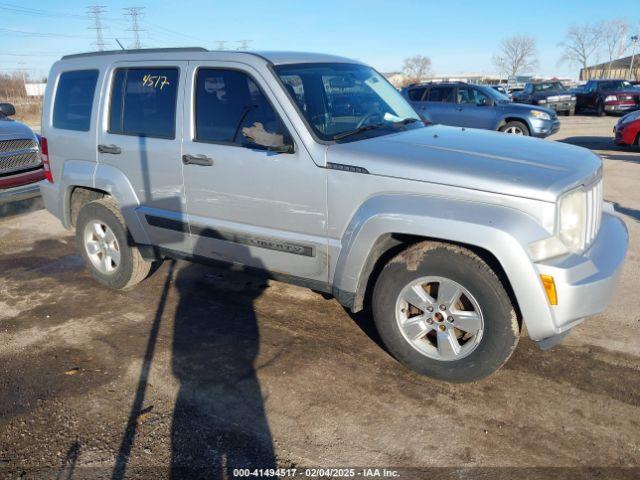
{"x": 199, "y": 369}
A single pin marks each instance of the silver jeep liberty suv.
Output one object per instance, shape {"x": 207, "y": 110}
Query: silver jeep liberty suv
{"x": 315, "y": 169}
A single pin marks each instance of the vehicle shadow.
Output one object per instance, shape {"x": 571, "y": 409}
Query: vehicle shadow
{"x": 21, "y": 206}
{"x": 219, "y": 423}
{"x": 630, "y": 212}
{"x": 592, "y": 141}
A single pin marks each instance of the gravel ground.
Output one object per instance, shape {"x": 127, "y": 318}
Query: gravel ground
{"x": 199, "y": 369}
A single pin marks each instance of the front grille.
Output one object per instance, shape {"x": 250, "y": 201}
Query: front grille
{"x": 18, "y": 154}
{"x": 8, "y": 146}
{"x": 594, "y": 212}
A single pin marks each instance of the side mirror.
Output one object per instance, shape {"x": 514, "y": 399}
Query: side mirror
{"x": 7, "y": 109}
{"x": 273, "y": 142}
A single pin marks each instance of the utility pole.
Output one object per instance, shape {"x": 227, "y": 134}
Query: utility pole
{"x": 96, "y": 11}
{"x": 135, "y": 13}
{"x": 634, "y": 42}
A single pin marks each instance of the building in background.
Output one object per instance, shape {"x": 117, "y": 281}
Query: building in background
{"x": 35, "y": 89}
{"x": 623, "y": 68}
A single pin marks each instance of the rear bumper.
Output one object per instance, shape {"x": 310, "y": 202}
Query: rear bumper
{"x": 585, "y": 283}
{"x": 51, "y": 198}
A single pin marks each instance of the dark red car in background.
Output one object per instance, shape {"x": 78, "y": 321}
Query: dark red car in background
{"x": 607, "y": 96}
{"x": 627, "y": 130}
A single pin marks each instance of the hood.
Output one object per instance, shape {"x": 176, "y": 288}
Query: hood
{"x": 630, "y": 91}
{"x": 525, "y": 108}
{"x": 10, "y": 129}
{"x": 475, "y": 159}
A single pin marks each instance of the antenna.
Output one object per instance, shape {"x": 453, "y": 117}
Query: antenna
{"x": 135, "y": 13}
{"x": 121, "y": 47}
{"x": 96, "y": 11}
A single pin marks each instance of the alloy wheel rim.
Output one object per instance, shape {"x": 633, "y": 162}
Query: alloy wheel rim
{"x": 439, "y": 318}
{"x": 102, "y": 247}
{"x": 514, "y": 131}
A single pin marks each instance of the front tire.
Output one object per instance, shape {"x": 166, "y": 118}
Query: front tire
{"x": 443, "y": 312}
{"x": 600, "y": 109}
{"x": 106, "y": 246}
{"x": 515, "y": 128}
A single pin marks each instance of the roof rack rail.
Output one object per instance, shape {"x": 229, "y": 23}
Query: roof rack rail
{"x": 135, "y": 50}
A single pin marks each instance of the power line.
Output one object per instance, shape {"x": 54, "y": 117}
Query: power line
{"x": 135, "y": 13}
{"x": 96, "y": 11}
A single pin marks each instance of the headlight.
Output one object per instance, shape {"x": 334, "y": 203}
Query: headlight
{"x": 611, "y": 98}
{"x": 573, "y": 219}
{"x": 540, "y": 115}
{"x": 542, "y": 101}
{"x": 573, "y": 98}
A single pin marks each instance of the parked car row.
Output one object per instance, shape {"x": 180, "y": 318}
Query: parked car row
{"x": 479, "y": 106}
{"x": 21, "y": 165}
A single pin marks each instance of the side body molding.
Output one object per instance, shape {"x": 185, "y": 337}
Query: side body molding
{"x": 503, "y": 231}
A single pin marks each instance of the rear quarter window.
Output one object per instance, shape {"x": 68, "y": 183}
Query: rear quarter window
{"x": 74, "y": 100}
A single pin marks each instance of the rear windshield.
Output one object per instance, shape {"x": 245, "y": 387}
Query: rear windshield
{"x": 74, "y": 100}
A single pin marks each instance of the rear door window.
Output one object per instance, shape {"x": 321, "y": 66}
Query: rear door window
{"x": 441, "y": 94}
{"x": 143, "y": 102}
{"x": 74, "y": 100}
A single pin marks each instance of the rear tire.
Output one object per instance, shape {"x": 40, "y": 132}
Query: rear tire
{"x": 515, "y": 128}
{"x": 462, "y": 340}
{"x": 107, "y": 247}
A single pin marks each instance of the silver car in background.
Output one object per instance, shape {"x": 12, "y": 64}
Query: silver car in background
{"x": 314, "y": 169}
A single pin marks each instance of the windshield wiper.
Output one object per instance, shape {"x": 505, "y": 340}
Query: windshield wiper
{"x": 364, "y": 128}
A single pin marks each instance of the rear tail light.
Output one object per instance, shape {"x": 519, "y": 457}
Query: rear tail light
{"x": 44, "y": 152}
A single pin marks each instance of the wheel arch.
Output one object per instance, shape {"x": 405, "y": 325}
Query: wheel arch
{"x": 497, "y": 234}
{"x": 513, "y": 118}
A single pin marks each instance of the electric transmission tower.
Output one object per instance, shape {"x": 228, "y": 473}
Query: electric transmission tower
{"x": 222, "y": 44}
{"x": 135, "y": 13}
{"x": 95, "y": 11}
{"x": 244, "y": 44}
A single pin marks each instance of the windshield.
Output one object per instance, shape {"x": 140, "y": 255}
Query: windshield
{"x": 494, "y": 94}
{"x": 615, "y": 85}
{"x": 343, "y": 100}
{"x": 543, "y": 87}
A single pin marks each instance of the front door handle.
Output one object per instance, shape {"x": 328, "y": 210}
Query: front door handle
{"x": 112, "y": 149}
{"x": 197, "y": 160}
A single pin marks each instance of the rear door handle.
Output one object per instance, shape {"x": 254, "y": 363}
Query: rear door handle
{"x": 197, "y": 160}
{"x": 112, "y": 149}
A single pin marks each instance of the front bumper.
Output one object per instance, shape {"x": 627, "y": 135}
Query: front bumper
{"x": 585, "y": 282}
{"x": 544, "y": 128}
{"x": 616, "y": 107}
{"x": 563, "y": 106}
{"x": 26, "y": 187}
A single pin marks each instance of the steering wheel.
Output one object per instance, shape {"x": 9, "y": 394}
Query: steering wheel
{"x": 368, "y": 116}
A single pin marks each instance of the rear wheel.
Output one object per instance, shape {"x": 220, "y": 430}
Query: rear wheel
{"x": 443, "y": 312}
{"x": 106, "y": 247}
{"x": 515, "y": 128}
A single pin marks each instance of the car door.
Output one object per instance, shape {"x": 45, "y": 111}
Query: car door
{"x": 141, "y": 139}
{"x": 474, "y": 108}
{"x": 245, "y": 203}
{"x": 440, "y": 104}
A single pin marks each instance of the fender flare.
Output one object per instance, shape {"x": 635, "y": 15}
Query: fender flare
{"x": 502, "y": 231}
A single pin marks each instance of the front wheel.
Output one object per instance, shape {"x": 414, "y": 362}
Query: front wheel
{"x": 515, "y": 128}
{"x": 600, "y": 109}
{"x": 106, "y": 247}
{"x": 443, "y": 312}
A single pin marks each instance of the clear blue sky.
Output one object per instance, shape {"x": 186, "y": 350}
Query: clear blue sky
{"x": 459, "y": 36}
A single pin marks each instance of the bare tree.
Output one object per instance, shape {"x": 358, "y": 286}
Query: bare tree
{"x": 581, "y": 45}
{"x": 614, "y": 36}
{"x": 416, "y": 68}
{"x": 517, "y": 55}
